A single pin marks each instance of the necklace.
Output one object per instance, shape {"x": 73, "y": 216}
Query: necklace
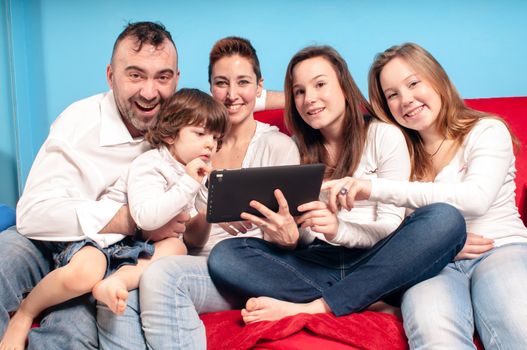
{"x": 437, "y": 150}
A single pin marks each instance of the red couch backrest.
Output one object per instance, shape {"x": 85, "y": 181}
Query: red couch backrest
{"x": 512, "y": 109}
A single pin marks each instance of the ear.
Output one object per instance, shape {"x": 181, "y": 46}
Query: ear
{"x": 109, "y": 76}
{"x": 176, "y": 80}
{"x": 169, "y": 140}
{"x": 259, "y": 87}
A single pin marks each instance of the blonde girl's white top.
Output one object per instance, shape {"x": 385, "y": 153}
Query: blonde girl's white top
{"x": 479, "y": 181}
{"x": 385, "y": 156}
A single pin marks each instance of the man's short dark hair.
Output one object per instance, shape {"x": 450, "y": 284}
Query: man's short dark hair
{"x": 149, "y": 33}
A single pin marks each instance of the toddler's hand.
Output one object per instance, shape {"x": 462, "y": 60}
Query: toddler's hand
{"x": 198, "y": 169}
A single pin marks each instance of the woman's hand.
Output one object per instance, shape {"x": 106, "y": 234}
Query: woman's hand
{"x": 235, "y": 227}
{"x": 475, "y": 245}
{"x": 344, "y": 192}
{"x": 319, "y": 218}
{"x": 280, "y": 227}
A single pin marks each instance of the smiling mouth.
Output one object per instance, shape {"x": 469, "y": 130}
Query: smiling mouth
{"x": 414, "y": 111}
{"x": 233, "y": 108}
{"x": 145, "y": 107}
{"x": 315, "y": 111}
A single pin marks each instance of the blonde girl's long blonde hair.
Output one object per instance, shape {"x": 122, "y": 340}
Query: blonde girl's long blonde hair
{"x": 455, "y": 119}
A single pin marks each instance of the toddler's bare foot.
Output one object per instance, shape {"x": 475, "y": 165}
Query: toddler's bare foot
{"x": 113, "y": 292}
{"x": 270, "y": 309}
{"x": 16, "y": 334}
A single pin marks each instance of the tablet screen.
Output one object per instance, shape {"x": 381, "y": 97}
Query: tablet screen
{"x": 230, "y": 191}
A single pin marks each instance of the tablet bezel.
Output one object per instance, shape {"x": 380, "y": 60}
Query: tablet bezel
{"x": 231, "y": 190}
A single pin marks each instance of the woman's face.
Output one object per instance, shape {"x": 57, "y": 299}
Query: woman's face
{"x": 317, "y": 94}
{"x": 412, "y": 100}
{"x": 234, "y": 83}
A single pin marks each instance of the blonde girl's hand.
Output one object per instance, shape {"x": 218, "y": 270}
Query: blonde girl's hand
{"x": 235, "y": 227}
{"x": 344, "y": 192}
{"x": 198, "y": 169}
{"x": 319, "y": 218}
{"x": 277, "y": 227}
{"x": 474, "y": 247}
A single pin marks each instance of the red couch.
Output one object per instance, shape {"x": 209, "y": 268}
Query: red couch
{"x": 365, "y": 330}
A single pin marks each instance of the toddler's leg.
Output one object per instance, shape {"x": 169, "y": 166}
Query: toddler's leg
{"x": 113, "y": 290}
{"x": 78, "y": 277}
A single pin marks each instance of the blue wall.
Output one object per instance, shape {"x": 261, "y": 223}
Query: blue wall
{"x": 56, "y": 51}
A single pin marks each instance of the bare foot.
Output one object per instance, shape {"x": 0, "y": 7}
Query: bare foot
{"x": 269, "y": 309}
{"x": 381, "y": 306}
{"x": 112, "y": 292}
{"x": 17, "y": 330}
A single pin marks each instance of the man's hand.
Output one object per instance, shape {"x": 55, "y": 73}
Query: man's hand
{"x": 174, "y": 228}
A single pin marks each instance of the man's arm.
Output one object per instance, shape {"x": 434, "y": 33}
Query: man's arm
{"x": 122, "y": 222}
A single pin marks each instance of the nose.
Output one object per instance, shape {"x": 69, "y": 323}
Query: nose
{"x": 149, "y": 90}
{"x": 407, "y": 97}
{"x": 210, "y": 142}
{"x": 310, "y": 95}
{"x": 231, "y": 91}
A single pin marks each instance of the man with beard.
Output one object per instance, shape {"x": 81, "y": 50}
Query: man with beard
{"x": 89, "y": 145}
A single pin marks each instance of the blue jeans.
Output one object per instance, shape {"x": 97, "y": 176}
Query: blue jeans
{"x": 348, "y": 280}
{"x": 23, "y": 263}
{"x": 173, "y": 292}
{"x": 488, "y": 293}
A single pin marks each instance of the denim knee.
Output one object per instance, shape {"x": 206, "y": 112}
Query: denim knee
{"x": 224, "y": 261}
{"x": 449, "y": 227}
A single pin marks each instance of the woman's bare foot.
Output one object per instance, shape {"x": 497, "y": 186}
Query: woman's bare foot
{"x": 269, "y": 309}
{"x": 113, "y": 292}
{"x": 16, "y": 333}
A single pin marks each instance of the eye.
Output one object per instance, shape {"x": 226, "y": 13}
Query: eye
{"x": 220, "y": 83}
{"x": 413, "y": 83}
{"x": 244, "y": 82}
{"x": 298, "y": 92}
{"x": 134, "y": 75}
{"x": 164, "y": 78}
{"x": 320, "y": 84}
{"x": 391, "y": 95}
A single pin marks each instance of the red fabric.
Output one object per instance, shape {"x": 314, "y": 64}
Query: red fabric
{"x": 514, "y": 111}
{"x": 365, "y": 330}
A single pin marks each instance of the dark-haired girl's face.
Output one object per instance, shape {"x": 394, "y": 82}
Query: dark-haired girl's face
{"x": 234, "y": 83}
{"x": 318, "y": 97}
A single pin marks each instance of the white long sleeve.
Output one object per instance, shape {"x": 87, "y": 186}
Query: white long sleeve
{"x": 87, "y": 149}
{"x": 385, "y": 156}
{"x": 479, "y": 181}
{"x": 159, "y": 189}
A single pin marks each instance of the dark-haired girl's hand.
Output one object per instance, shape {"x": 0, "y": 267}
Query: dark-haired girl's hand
{"x": 319, "y": 218}
{"x": 277, "y": 227}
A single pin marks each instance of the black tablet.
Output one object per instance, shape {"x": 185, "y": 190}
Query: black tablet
{"x": 230, "y": 191}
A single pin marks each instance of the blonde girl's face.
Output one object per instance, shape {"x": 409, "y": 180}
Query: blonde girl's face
{"x": 318, "y": 97}
{"x": 412, "y": 100}
{"x": 234, "y": 83}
